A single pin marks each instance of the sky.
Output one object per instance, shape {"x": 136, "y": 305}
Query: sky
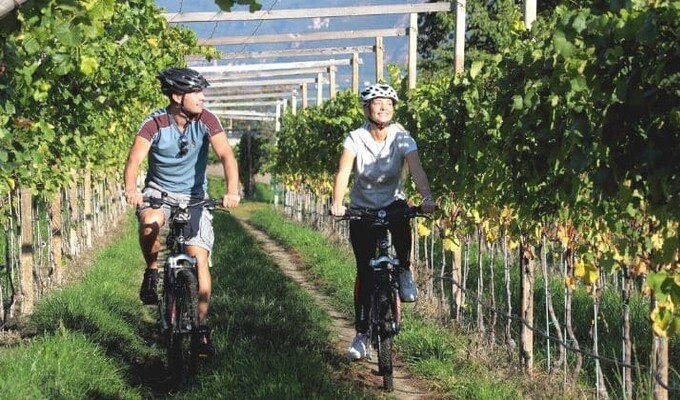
{"x": 395, "y": 47}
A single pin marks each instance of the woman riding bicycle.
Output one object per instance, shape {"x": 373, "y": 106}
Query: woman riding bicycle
{"x": 177, "y": 139}
{"x": 378, "y": 152}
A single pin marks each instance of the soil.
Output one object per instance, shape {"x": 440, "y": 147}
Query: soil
{"x": 364, "y": 373}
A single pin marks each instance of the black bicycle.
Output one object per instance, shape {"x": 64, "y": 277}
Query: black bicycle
{"x": 178, "y": 288}
{"x": 385, "y": 311}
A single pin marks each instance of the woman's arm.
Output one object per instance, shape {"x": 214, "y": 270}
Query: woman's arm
{"x": 341, "y": 181}
{"x": 420, "y": 178}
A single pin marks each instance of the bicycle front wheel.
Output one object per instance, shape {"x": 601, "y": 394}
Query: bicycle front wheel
{"x": 182, "y": 357}
{"x": 385, "y": 361}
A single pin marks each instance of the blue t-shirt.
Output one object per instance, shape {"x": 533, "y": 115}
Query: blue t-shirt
{"x": 170, "y": 168}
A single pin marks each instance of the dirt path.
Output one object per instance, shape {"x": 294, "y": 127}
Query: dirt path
{"x": 406, "y": 385}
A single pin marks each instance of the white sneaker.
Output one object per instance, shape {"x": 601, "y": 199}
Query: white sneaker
{"x": 408, "y": 292}
{"x": 357, "y": 350}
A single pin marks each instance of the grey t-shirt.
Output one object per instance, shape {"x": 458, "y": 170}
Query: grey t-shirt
{"x": 379, "y": 168}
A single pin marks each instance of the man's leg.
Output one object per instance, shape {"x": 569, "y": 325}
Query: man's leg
{"x": 204, "y": 290}
{"x": 150, "y": 223}
{"x": 204, "y": 281}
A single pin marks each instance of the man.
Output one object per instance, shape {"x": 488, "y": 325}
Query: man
{"x": 176, "y": 140}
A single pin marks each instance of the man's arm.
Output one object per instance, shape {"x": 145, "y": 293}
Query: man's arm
{"x": 225, "y": 154}
{"x": 138, "y": 152}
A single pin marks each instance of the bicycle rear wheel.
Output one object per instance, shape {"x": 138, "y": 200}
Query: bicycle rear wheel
{"x": 182, "y": 355}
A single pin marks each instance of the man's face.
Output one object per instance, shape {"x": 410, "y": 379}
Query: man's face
{"x": 192, "y": 102}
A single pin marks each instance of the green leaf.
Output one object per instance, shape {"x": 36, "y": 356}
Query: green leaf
{"x": 562, "y": 46}
{"x": 88, "y": 65}
{"x": 67, "y": 34}
{"x": 476, "y": 68}
{"x": 578, "y": 84}
{"x": 517, "y": 102}
{"x": 579, "y": 23}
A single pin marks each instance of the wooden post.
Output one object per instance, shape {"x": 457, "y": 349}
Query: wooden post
{"x": 526, "y": 348}
{"x": 57, "y": 239}
{"x": 88, "y": 227}
{"x": 293, "y": 102}
{"x": 277, "y": 127}
{"x": 459, "y": 57}
{"x": 26, "y": 271}
{"x": 331, "y": 81}
{"x": 355, "y": 73}
{"x": 412, "y": 49}
{"x": 627, "y": 345}
{"x": 74, "y": 211}
{"x": 305, "y": 95}
{"x": 529, "y": 13}
{"x": 659, "y": 362}
{"x": 319, "y": 89}
{"x": 379, "y": 58}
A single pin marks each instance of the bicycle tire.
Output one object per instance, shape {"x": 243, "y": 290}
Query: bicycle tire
{"x": 385, "y": 340}
{"x": 385, "y": 367}
{"x": 182, "y": 355}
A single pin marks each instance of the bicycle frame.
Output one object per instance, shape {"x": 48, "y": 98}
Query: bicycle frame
{"x": 177, "y": 260}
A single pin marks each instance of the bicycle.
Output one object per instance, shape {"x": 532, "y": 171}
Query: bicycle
{"x": 385, "y": 310}
{"x": 178, "y": 288}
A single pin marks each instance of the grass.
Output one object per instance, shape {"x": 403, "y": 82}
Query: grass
{"x": 450, "y": 360}
{"x": 94, "y": 339}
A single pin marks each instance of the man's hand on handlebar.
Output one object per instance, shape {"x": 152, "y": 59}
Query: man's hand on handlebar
{"x": 134, "y": 197}
{"x": 230, "y": 200}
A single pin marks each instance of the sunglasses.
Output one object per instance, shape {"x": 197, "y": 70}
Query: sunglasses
{"x": 183, "y": 145}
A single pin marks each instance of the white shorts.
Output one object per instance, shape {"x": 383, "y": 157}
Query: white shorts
{"x": 206, "y": 234}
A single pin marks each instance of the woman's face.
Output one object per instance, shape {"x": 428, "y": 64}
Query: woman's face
{"x": 193, "y": 102}
{"x": 381, "y": 110}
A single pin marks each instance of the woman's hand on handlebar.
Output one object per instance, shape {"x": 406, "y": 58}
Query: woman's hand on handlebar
{"x": 428, "y": 205}
{"x": 338, "y": 210}
{"x": 230, "y": 200}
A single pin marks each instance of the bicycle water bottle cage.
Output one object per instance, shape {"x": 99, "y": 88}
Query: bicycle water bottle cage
{"x": 375, "y": 262}
{"x": 181, "y": 261}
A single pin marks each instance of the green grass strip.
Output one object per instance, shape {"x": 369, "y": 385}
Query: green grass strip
{"x": 430, "y": 350}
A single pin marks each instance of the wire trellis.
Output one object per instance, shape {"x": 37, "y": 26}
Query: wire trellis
{"x": 447, "y": 286}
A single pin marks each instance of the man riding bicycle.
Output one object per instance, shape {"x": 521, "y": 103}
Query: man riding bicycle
{"x": 176, "y": 140}
{"x": 378, "y": 152}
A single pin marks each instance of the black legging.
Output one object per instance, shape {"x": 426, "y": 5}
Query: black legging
{"x": 363, "y": 240}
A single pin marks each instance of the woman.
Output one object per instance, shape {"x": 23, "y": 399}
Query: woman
{"x": 377, "y": 153}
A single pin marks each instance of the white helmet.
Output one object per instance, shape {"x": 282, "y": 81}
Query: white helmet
{"x": 378, "y": 91}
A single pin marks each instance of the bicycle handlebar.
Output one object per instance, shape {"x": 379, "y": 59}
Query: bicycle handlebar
{"x": 382, "y": 215}
{"x": 210, "y": 204}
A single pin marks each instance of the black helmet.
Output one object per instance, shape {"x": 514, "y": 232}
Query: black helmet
{"x": 181, "y": 80}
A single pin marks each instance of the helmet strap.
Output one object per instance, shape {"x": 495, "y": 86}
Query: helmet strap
{"x": 186, "y": 114}
{"x": 380, "y": 125}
